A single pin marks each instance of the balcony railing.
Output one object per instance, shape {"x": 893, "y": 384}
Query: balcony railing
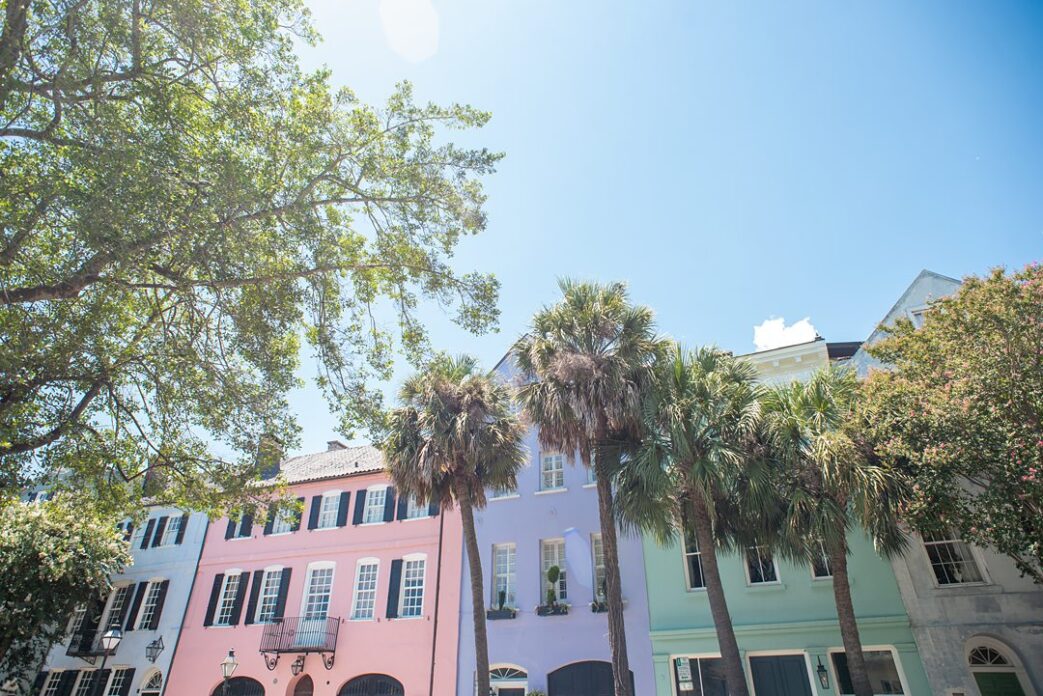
{"x": 87, "y": 644}
{"x": 297, "y": 634}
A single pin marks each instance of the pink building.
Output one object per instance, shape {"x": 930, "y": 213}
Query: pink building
{"x": 356, "y": 596}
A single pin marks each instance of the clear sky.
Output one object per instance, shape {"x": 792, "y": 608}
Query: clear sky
{"x": 732, "y": 163}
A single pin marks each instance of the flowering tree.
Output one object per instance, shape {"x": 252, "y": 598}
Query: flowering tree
{"x": 963, "y": 410}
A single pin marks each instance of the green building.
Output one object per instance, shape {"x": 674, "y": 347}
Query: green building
{"x": 784, "y": 615}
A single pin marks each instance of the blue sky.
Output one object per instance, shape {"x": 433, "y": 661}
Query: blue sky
{"x": 731, "y": 163}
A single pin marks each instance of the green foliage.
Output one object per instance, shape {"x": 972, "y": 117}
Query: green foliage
{"x": 181, "y": 209}
{"x": 553, "y": 575}
{"x": 54, "y": 556}
{"x": 962, "y": 409}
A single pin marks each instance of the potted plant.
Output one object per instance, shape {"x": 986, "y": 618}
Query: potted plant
{"x": 553, "y": 607}
{"x": 502, "y": 611}
{"x": 599, "y": 605}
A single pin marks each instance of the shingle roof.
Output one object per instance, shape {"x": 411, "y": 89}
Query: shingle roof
{"x": 332, "y": 464}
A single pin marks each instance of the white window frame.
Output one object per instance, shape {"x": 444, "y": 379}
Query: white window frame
{"x": 402, "y": 598}
{"x": 498, "y": 684}
{"x": 561, "y": 591}
{"x": 50, "y": 685}
{"x": 111, "y": 610}
{"x": 502, "y": 493}
{"x": 370, "y": 507}
{"x": 595, "y": 544}
{"x": 76, "y": 620}
{"x": 144, "y": 690}
{"x": 895, "y": 659}
{"x": 283, "y": 522}
{"x": 148, "y": 610}
{"x": 746, "y": 567}
{"x": 356, "y": 594}
{"x": 224, "y": 597}
{"x": 414, "y": 510}
{"x": 685, "y": 554}
{"x": 82, "y": 687}
{"x": 510, "y": 577}
{"x": 699, "y": 674}
{"x": 329, "y": 508}
{"x": 556, "y": 473}
{"x": 824, "y": 557}
{"x": 111, "y": 688}
{"x": 971, "y": 556}
{"x": 265, "y": 596}
{"x": 170, "y": 530}
{"x": 306, "y": 594}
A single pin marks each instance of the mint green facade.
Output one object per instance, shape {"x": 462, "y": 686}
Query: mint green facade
{"x": 795, "y": 616}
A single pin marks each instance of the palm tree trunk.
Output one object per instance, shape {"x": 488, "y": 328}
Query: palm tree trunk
{"x": 722, "y": 619}
{"x": 613, "y": 585}
{"x": 856, "y": 662}
{"x": 474, "y": 564}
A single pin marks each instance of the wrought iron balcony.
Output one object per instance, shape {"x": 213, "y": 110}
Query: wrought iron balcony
{"x": 87, "y": 644}
{"x": 297, "y": 634}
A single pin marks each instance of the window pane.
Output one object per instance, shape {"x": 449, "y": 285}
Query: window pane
{"x": 693, "y": 561}
{"x": 553, "y": 471}
{"x": 503, "y": 574}
{"x": 119, "y": 599}
{"x": 365, "y": 591}
{"x": 412, "y": 588}
{"x": 375, "y": 505}
{"x": 224, "y": 612}
{"x": 760, "y": 565}
{"x": 951, "y": 560}
{"x": 320, "y": 582}
{"x": 553, "y": 554}
{"x": 598, "y": 553}
{"x": 883, "y": 674}
{"x": 328, "y": 510}
{"x": 820, "y": 566}
{"x": 148, "y": 608}
{"x": 413, "y": 509}
{"x": 269, "y": 595}
{"x": 171, "y": 530}
{"x": 116, "y": 682}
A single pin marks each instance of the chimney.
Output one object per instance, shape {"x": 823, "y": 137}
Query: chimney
{"x": 269, "y": 456}
{"x": 332, "y": 445}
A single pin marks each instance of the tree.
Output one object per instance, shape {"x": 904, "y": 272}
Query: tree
{"x": 54, "y": 556}
{"x": 961, "y": 405}
{"x": 829, "y": 483}
{"x": 181, "y": 206}
{"x": 701, "y": 466}
{"x": 454, "y": 436}
{"x": 585, "y": 360}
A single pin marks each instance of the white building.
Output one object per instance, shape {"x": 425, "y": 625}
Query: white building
{"x": 978, "y": 624}
{"x": 147, "y": 604}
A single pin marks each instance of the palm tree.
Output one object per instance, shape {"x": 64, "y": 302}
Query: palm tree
{"x": 584, "y": 362}
{"x": 701, "y": 466}
{"x": 453, "y": 436}
{"x": 830, "y": 482}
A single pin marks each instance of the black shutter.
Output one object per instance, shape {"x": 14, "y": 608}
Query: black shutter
{"x": 128, "y": 531}
{"x": 230, "y": 529}
{"x": 432, "y": 509}
{"x": 91, "y": 619}
{"x": 38, "y": 682}
{"x": 246, "y": 527}
{"x": 66, "y": 682}
{"x": 403, "y": 507}
{"x": 255, "y": 591}
{"x": 240, "y": 596}
{"x": 300, "y": 511}
{"x": 313, "y": 514}
{"x": 360, "y": 506}
{"x": 160, "y": 599}
{"x": 127, "y": 681}
{"x": 342, "y": 509}
{"x": 394, "y": 587}
{"x": 215, "y": 595}
{"x": 284, "y": 589}
{"x": 389, "y": 504}
{"x": 139, "y": 596}
{"x": 160, "y": 526}
{"x": 148, "y": 534}
{"x": 103, "y": 677}
{"x": 269, "y": 521}
{"x": 181, "y": 529}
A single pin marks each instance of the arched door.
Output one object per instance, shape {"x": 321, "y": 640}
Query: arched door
{"x": 592, "y": 678}
{"x": 240, "y": 686}
{"x": 153, "y": 685}
{"x": 995, "y": 669}
{"x": 372, "y": 685}
{"x": 305, "y": 687}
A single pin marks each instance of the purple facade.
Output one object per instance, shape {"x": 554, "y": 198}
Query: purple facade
{"x": 551, "y": 519}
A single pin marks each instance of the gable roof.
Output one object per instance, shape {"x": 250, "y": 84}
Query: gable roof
{"x": 333, "y": 463}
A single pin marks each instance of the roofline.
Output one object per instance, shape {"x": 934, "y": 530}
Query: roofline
{"x": 331, "y": 478}
{"x": 901, "y": 299}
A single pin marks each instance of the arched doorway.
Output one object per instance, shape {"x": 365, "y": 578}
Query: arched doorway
{"x": 305, "y": 687}
{"x": 996, "y": 668}
{"x": 240, "y": 686}
{"x": 591, "y": 678}
{"x": 372, "y": 685}
{"x": 152, "y": 685}
{"x": 508, "y": 680}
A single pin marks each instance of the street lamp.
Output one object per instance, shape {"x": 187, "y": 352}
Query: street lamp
{"x": 823, "y": 675}
{"x": 228, "y": 666}
{"x": 110, "y": 640}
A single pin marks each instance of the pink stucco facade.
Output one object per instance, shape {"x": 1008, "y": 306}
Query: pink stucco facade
{"x": 403, "y": 648}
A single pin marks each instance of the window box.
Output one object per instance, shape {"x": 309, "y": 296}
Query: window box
{"x": 552, "y": 610}
{"x": 499, "y": 614}
{"x": 598, "y": 607}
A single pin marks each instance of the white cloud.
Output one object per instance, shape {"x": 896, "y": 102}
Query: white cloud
{"x": 773, "y": 333}
{"x": 411, "y": 28}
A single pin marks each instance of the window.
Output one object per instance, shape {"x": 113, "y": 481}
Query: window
{"x": 269, "y": 595}
{"x": 693, "y": 561}
{"x": 242, "y": 527}
{"x": 170, "y": 531}
{"x": 987, "y": 656}
{"x": 508, "y": 680}
{"x": 365, "y": 601}
{"x": 114, "y": 613}
{"x": 116, "y": 682}
{"x": 760, "y": 566}
{"x": 50, "y": 686}
{"x": 414, "y": 510}
{"x": 85, "y": 683}
{"x": 153, "y": 686}
{"x": 951, "y": 559}
{"x": 148, "y": 607}
{"x": 597, "y": 553}
{"x": 552, "y": 469}
{"x": 703, "y": 676}
{"x": 495, "y": 493}
{"x": 227, "y": 602}
{"x": 135, "y": 538}
{"x": 328, "y": 510}
{"x": 820, "y": 565}
{"x": 552, "y": 553}
{"x": 592, "y": 478}
{"x": 503, "y": 574}
{"x": 317, "y": 594}
{"x": 283, "y": 522}
{"x": 880, "y": 664}
{"x": 76, "y": 622}
{"x": 375, "y": 498}
{"x": 412, "y": 588}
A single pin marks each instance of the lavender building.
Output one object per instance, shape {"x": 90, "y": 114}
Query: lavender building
{"x": 557, "y": 643}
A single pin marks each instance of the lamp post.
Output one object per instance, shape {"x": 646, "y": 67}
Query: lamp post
{"x": 228, "y": 666}
{"x": 110, "y": 640}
